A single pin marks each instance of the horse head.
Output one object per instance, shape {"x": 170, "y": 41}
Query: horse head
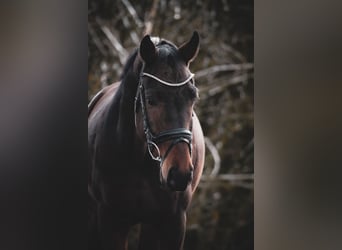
{"x": 165, "y": 99}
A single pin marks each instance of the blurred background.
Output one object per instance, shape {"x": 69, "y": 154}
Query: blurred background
{"x": 43, "y": 95}
{"x": 221, "y": 214}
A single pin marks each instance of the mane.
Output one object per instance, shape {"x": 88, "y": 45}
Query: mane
{"x": 129, "y": 64}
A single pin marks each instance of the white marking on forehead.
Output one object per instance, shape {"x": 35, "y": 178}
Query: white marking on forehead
{"x": 155, "y": 39}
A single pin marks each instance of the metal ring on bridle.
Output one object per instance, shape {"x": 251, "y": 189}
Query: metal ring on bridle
{"x": 156, "y": 158}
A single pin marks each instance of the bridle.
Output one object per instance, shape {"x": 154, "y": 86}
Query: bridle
{"x": 176, "y": 135}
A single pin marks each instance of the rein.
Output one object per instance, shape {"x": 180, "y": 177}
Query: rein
{"x": 176, "y": 135}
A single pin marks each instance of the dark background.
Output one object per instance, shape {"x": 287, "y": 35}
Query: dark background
{"x": 221, "y": 213}
{"x": 43, "y": 117}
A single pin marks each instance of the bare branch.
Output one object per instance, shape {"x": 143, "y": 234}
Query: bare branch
{"x": 134, "y": 37}
{"x": 96, "y": 40}
{"x": 230, "y": 177}
{"x": 150, "y": 19}
{"x": 241, "y": 180}
{"x": 123, "y": 54}
{"x": 133, "y": 13}
{"x": 210, "y": 90}
{"x": 225, "y": 67}
{"x": 216, "y": 156}
{"x": 237, "y": 54}
{"x": 247, "y": 149}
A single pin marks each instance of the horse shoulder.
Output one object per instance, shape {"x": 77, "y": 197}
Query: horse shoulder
{"x": 96, "y": 134}
{"x": 102, "y": 99}
{"x": 198, "y": 151}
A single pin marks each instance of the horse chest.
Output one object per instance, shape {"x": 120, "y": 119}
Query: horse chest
{"x": 143, "y": 201}
{"x": 144, "y": 198}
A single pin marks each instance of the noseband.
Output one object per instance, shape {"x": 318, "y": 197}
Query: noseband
{"x": 176, "y": 135}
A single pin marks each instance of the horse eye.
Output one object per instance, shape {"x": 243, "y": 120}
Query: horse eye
{"x": 151, "y": 101}
{"x": 192, "y": 93}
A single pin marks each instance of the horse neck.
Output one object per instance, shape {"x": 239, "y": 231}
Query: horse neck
{"x": 125, "y": 128}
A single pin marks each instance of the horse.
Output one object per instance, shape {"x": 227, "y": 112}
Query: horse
{"x": 146, "y": 149}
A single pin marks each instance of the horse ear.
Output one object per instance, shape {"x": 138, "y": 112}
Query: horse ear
{"x": 189, "y": 50}
{"x": 147, "y": 49}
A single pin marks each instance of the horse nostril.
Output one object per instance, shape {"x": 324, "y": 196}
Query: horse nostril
{"x": 190, "y": 175}
{"x": 178, "y": 181}
{"x": 171, "y": 178}
{"x": 173, "y": 174}
{"x": 191, "y": 168}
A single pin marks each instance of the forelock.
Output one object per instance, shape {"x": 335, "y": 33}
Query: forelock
{"x": 155, "y": 40}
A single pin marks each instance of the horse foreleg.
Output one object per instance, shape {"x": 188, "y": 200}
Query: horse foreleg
{"x": 115, "y": 238}
{"x": 113, "y": 235}
{"x": 149, "y": 237}
{"x": 173, "y": 232}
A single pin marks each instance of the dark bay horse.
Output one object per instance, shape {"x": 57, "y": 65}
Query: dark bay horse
{"x": 146, "y": 149}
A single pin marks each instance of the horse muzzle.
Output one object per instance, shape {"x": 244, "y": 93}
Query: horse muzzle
{"x": 177, "y": 180}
